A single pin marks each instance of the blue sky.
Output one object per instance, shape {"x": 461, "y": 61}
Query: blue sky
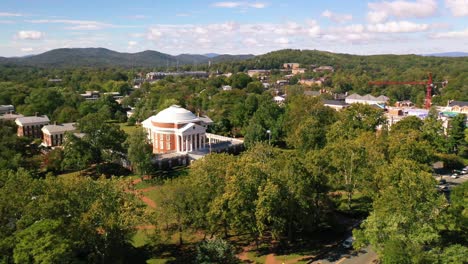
{"x": 235, "y": 27}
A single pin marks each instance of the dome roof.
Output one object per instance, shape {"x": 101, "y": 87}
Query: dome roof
{"x": 174, "y": 114}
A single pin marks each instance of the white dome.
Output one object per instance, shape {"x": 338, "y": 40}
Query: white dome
{"x": 174, "y": 114}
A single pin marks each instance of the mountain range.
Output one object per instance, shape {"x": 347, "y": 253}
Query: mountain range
{"x": 449, "y": 54}
{"x": 101, "y": 57}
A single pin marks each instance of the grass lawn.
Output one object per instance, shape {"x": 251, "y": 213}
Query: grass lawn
{"x": 154, "y": 195}
{"x": 141, "y": 238}
{"x": 256, "y": 258}
{"x": 128, "y": 129}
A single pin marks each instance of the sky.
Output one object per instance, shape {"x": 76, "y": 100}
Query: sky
{"x": 235, "y": 27}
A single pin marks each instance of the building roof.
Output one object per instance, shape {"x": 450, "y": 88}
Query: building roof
{"x": 10, "y": 116}
{"x": 458, "y": 103}
{"x": 335, "y": 102}
{"x": 206, "y": 120}
{"x": 174, "y": 114}
{"x": 32, "y": 120}
{"x": 368, "y": 97}
{"x": 312, "y": 93}
{"x": 49, "y": 129}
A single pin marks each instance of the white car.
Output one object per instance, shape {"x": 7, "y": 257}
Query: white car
{"x": 348, "y": 243}
{"x": 454, "y": 176}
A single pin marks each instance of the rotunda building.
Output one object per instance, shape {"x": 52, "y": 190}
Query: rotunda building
{"x": 175, "y": 129}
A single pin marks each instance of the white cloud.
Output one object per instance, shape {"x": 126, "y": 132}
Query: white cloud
{"x": 29, "y": 34}
{"x": 397, "y": 27}
{"x": 27, "y": 49}
{"x": 452, "y": 34}
{"x": 6, "y": 22}
{"x": 458, "y": 7}
{"x": 238, "y": 4}
{"x": 183, "y": 15}
{"x": 132, "y": 43}
{"x": 6, "y": 14}
{"x": 313, "y": 28}
{"x": 377, "y": 16}
{"x": 380, "y": 11}
{"x": 76, "y": 24}
{"x": 338, "y": 18}
{"x": 282, "y": 41}
{"x": 153, "y": 34}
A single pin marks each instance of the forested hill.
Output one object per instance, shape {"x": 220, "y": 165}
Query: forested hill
{"x": 101, "y": 57}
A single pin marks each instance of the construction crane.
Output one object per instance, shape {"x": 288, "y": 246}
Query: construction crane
{"x": 429, "y": 85}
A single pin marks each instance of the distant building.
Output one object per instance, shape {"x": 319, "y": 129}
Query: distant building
{"x": 153, "y": 76}
{"x": 282, "y": 82}
{"x": 324, "y": 69}
{"x": 6, "y": 109}
{"x": 335, "y": 104}
{"x": 291, "y": 65}
{"x": 91, "y": 95}
{"x": 405, "y": 103}
{"x": 298, "y": 71}
{"x": 175, "y": 129}
{"x": 55, "y": 80}
{"x": 366, "y": 99}
{"x": 30, "y": 126}
{"x": 315, "y": 81}
{"x": 312, "y": 93}
{"x": 226, "y": 88}
{"x": 53, "y": 135}
{"x": 457, "y": 107}
{"x": 10, "y": 117}
{"x": 258, "y": 73}
{"x": 279, "y": 100}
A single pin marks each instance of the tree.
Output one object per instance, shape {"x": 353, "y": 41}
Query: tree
{"x": 105, "y": 139}
{"x": 255, "y": 87}
{"x": 139, "y": 152}
{"x": 355, "y": 119}
{"x": 43, "y": 242}
{"x": 240, "y": 80}
{"x": 215, "y": 251}
{"x": 456, "y": 133}
{"x": 408, "y": 123}
{"x": 77, "y": 154}
{"x": 307, "y": 121}
{"x": 406, "y": 212}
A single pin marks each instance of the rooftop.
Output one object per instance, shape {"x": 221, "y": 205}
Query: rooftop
{"x": 457, "y": 103}
{"x": 174, "y": 114}
{"x": 32, "y": 119}
{"x": 59, "y": 128}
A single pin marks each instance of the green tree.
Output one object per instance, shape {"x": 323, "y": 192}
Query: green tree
{"x": 216, "y": 251}
{"x": 405, "y": 215}
{"x": 43, "y": 242}
{"x": 456, "y": 133}
{"x": 139, "y": 152}
{"x": 240, "y": 80}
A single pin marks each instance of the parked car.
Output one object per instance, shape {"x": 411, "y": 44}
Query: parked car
{"x": 442, "y": 181}
{"x": 454, "y": 176}
{"x": 348, "y": 243}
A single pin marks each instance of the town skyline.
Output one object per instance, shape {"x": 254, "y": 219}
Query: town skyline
{"x": 236, "y": 27}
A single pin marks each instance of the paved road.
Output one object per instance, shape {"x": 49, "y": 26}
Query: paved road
{"x": 347, "y": 256}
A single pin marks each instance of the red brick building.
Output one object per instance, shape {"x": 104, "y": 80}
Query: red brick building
{"x": 30, "y": 126}
{"x": 176, "y": 129}
{"x": 53, "y": 135}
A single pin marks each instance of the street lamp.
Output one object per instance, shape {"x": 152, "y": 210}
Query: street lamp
{"x": 269, "y": 136}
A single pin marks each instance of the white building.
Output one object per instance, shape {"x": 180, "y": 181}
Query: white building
{"x": 366, "y": 99}
{"x": 175, "y": 129}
